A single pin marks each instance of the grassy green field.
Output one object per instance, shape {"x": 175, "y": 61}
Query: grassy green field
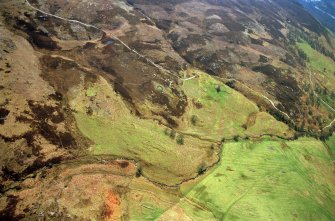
{"x": 114, "y": 131}
{"x": 266, "y": 124}
{"x": 186, "y": 210}
{"x": 320, "y": 63}
{"x": 224, "y": 112}
{"x": 317, "y": 60}
{"x": 146, "y": 201}
{"x": 267, "y": 180}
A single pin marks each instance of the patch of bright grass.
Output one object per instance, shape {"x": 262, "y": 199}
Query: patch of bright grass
{"x": 91, "y": 92}
{"x": 269, "y": 180}
{"x": 222, "y": 112}
{"x": 186, "y": 210}
{"x": 317, "y": 60}
{"x": 145, "y": 201}
{"x": 266, "y": 124}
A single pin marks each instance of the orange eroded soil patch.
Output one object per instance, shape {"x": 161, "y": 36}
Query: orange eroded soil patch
{"x": 112, "y": 209}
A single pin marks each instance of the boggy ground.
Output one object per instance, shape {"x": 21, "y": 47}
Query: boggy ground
{"x": 112, "y": 121}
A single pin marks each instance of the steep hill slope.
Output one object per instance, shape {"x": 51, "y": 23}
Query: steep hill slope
{"x": 135, "y": 110}
{"x": 253, "y": 42}
{"x": 323, "y": 10}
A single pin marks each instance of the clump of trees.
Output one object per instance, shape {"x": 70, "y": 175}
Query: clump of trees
{"x": 180, "y": 139}
{"x": 218, "y": 88}
{"x": 139, "y": 171}
{"x": 194, "y": 120}
{"x": 173, "y": 135}
{"x": 201, "y": 169}
{"x": 231, "y": 84}
{"x": 302, "y": 55}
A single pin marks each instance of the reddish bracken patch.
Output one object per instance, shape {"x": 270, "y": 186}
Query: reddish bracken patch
{"x": 112, "y": 207}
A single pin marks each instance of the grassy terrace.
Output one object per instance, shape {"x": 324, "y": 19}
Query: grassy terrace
{"x": 114, "y": 131}
{"x": 264, "y": 180}
{"x": 223, "y": 112}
